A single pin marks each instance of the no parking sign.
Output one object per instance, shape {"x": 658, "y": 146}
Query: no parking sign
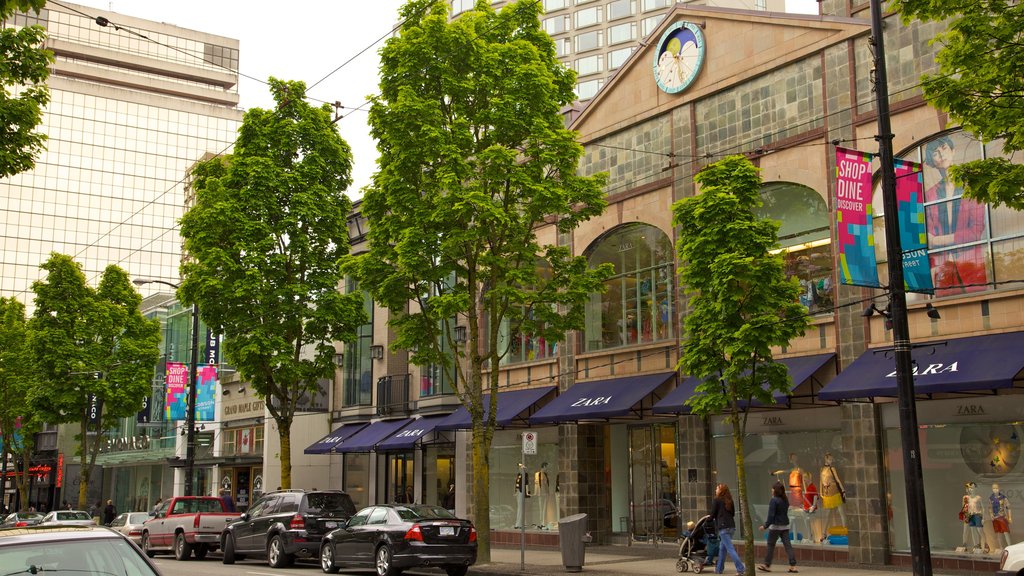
{"x": 529, "y": 442}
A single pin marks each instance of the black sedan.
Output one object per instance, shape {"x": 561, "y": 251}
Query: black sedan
{"x": 393, "y": 537}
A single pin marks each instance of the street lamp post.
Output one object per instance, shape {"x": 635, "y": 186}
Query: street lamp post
{"x": 190, "y": 408}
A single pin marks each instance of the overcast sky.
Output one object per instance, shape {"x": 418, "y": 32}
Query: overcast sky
{"x": 304, "y": 41}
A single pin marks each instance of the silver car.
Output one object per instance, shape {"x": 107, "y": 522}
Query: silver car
{"x": 130, "y": 524}
{"x": 68, "y": 518}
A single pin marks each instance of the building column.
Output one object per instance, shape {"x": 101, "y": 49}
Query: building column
{"x": 582, "y": 487}
{"x": 695, "y": 481}
{"x": 864, "y": 482}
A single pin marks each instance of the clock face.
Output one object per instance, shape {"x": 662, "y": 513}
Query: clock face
{"x": 679, "y": 57}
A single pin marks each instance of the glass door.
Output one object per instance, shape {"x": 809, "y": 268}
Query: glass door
{"x": 400, "y": 477}
{"x": 653, "y": 475}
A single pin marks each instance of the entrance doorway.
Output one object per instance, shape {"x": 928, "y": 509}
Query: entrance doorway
{"x": 653, "y": 481}
{"x": 399, "y": 477}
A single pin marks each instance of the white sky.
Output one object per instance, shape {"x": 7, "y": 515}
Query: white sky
{"x": 303, "y": 41}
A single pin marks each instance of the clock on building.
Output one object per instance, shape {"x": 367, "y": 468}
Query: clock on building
{"x": 678, "y": 57}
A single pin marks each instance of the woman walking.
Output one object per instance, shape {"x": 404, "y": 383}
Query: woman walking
{"x": 777, "y": 525}
{"x": 723, "y": 511}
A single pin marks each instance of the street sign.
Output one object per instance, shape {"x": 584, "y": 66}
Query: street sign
{"x": 529, "y": 443}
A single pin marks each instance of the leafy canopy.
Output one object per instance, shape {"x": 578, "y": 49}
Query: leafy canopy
{"x": 24, "y": 68}
{"x": 981, "y": 86}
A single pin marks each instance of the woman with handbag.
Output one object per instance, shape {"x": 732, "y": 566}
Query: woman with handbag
{"x": 723, "y": 512}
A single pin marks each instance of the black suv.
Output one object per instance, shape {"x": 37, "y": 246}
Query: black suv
{"x": 286, "y": 524}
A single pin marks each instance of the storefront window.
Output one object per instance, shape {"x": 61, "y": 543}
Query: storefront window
{"x": 541, "y": 481}
{"x": 644, "y": 479}
{"x": 803, "y": 450}
{"x": 517, "y": 341}
{"x": 356, "y": 478}
{"x": 438, "y": 474}
{"x": 400, "y": 477}
{"x": 358, "y": 365}
{"x": 636, "y": 306}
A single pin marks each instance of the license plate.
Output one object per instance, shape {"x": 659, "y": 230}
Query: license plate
{"x": 447, "y": 531}
{"x": 331, "y": 524}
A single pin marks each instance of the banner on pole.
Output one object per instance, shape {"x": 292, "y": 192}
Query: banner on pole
{"x": 205, "y": 393}
{"x": 917, "y": 275}
{"x": 176, "y": 379}
{"x": 854, "y": 227}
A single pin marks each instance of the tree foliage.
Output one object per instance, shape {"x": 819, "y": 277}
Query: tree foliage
{"x": 474, "y": 158}
{"x": 93, "y": 351}
{"x": 741, "y": 303}
{"x": 266, "y": 239}
{"x": 24, "y": 68}
{"x": 18, "y": 420}
{"x": 980, "y": 85}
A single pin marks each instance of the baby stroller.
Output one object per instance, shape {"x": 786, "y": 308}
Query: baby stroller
{"x": 699, "y": 546}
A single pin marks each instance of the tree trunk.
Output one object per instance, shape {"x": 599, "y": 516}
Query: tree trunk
{"x": 482, "y": 494}
{"x": 744, "y": 506}
{"x": 284, "y": 432}
{"x": 26, "y": 463}
{"x": 86, "y": 470}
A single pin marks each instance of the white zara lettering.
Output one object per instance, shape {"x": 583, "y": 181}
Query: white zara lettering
{"x": 598, "y": 401}
{"x": 409, "y": 433}
{"x": 931, "y": 369}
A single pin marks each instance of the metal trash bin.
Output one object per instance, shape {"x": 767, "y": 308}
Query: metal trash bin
{"x": 572, "y": 539}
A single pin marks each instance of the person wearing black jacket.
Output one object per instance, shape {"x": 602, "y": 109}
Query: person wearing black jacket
{"x": 777, "y": 525}
{"x": 723, "y": 512}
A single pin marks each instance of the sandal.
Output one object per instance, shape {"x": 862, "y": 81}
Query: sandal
{"x": 764, "y": 568}
{"x": 793, "y": 570}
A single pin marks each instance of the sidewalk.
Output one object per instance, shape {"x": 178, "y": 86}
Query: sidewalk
{"x": 640, "y": 560}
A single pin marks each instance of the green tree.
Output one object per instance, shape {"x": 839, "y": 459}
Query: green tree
{"x": 266, "y": 239}
{"x": 474, "y": 159}
{"x": 740, "y": 304}
{"x": 24, "y": 68}
{"x": 94, "y": 352}
{"x": 980, "y": 85}
{"x": 18, "y": 420}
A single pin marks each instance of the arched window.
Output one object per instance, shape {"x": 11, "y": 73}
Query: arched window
{"x": 805, "y": 240}
{"x": 357, "y": 383}
{"x": 637, "y": 305}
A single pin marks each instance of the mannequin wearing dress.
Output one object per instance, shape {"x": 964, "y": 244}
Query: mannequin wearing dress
{"x": 970, "y": 514}
{"x": 796, "y": 488}
{"x": 832, "y": 493}
{"x": 542, "y": 488}
{"x": 1001, "y": 517}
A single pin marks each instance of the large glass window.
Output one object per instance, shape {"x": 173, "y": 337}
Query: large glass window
{"x": 518, "y": 345}
{"x": 356, "y": 478}
{"x": 805, "y": 240}
{"x": 636, "y": 307}
{"x": 589, "y": 41}
{"x": 622, "y": 33}
{"x": 618, "y": 57}
{"x": 589, "y": 64}
{"x": 539, "y": 508}
{"x": 587, "y": 90}
{"x": 621, "y": 9}
{"x": 357, "y": 385}
{"x": 588, "y": 17}
{"x": 556, "y": 24}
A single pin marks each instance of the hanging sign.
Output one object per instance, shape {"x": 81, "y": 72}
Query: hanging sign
{"x": 855, "y": 229}
{"x": 917, "y": 275}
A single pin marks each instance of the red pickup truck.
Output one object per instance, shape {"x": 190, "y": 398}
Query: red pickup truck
{"x": 184, "y": 525}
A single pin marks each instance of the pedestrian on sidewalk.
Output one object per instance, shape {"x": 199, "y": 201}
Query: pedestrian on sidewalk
{"x": 723, "y": 511}
{"x": 777, "y": 525}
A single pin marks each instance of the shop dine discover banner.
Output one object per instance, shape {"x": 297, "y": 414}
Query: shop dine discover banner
{"x": 857, "y": 263}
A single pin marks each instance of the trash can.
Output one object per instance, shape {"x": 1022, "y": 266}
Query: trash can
{"x": 573, "y": 538}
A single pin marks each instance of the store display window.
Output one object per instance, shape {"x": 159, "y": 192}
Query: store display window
{"x": 537, "y": 476}
{"x": 356, "y": 478}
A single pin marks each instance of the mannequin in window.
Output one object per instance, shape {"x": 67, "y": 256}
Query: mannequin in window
{"x": 522, "y": 491}
{"x": 1001, "y": 517}
{"x": 542, "y": 488}
{"x": 833, "y": 495}
{"x": 796, "y": 487}
{"x": 970, "y": 515}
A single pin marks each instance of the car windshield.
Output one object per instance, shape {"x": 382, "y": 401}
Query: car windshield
{"x": 73, "y": 516}
{"x": 74, "y": 558}
{"x": 330, "y": 503}
{"x": 422, "y": 512}
{"x": 138, "y": 517}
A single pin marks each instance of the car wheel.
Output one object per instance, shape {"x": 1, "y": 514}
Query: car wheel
{"x": 201, "y": 550}
{"x": 327, "y": 559}
{"x": 145, "y": 545}
{"x": 382, "y": 562}
{"x": 182, "y": 549}
{"x": 456, "y": 570}
{"x": 229, "y": 549}
{"x": 276, "y": 556}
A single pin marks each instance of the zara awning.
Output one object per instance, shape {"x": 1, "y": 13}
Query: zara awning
{"x": 988, "y": 362}
{"x": 325, "y": 444}
{"x": 367, "y": 438}
{"x": 513, "y": 406}
{"x": 407, "y": 437}
{"x": 800, "y": 369}
{"x": 602, "y": 399}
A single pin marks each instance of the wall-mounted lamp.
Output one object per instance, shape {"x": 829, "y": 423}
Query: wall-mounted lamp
{"x": 460, "y": 334}
{"x": 376, "y": 351}
{"x": 241, "y": 389}
{"x": 932, "y": 311}
{"x": 339, "y": 359}
{"x": 226, "y": 392}
{"x": 871, "y": 310}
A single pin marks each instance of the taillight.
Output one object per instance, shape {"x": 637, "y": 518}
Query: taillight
{"x": 135, "y": 532}
{"x": 298, "y": 522}
{"x": 414, "y": 533}
{"x": 20, "y": 524}
{"x": 195, "y": 521}
{"x": 472, "y": 534}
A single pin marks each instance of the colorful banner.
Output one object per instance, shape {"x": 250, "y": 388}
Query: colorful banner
{"x": 177, "y": 378}
{"x": 855, "y": 230}
{"x": 206, "y": 393}
{"x": 917, "y": 276}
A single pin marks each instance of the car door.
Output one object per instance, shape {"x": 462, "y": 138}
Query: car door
{"x": 347, "y": 546}
{"x": 376, "y": 528}
{"x": 243, "y": 530}
{"x": 276, "y": 510}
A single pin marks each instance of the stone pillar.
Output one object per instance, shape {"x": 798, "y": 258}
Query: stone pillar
{"x": 581, "y": 486}
{"x": 863, "y": 478}
{"x": 695, "y": 482}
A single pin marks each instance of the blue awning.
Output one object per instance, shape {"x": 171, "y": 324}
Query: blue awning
{"x": 602, "y": 399}
{"x": 368, "y": 437}
{"x": 407, "y": 437}
{"x": 324, "y": 445}
{"x": 511, "y": 408}
{"x": 986, "y": 362}
{"x": 800, "y": 369}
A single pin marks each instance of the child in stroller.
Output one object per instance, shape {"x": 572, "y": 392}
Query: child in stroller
{"x": 699, "y": 546}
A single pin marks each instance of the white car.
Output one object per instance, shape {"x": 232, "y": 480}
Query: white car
{"x": 1012, "y": 562}
{"x": 68, "y": 518}
{"x": 130, "y": 524}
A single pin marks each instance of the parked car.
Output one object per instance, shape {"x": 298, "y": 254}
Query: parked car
{"x": 21, "y": 518}
{"x": 68, "y": 518}
{"x": 130, "y": 524}
{"x": 1012, "y": 561}
{"x": 71, "y": 550}
{"x": 393, "y": 537}
{"x": 184, "y": 525}
{"x": 286, "y": 524}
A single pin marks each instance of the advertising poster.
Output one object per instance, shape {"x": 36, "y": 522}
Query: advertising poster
{"x": 917, "y": 276}
{"x": 176, "y": 378}
{"x": 855, "y": 230}
{"x": 206, "y": 377}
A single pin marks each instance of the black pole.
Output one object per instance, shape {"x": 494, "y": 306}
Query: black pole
{"x": 919, "y": 546}
{"x": 190, "y": 411}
